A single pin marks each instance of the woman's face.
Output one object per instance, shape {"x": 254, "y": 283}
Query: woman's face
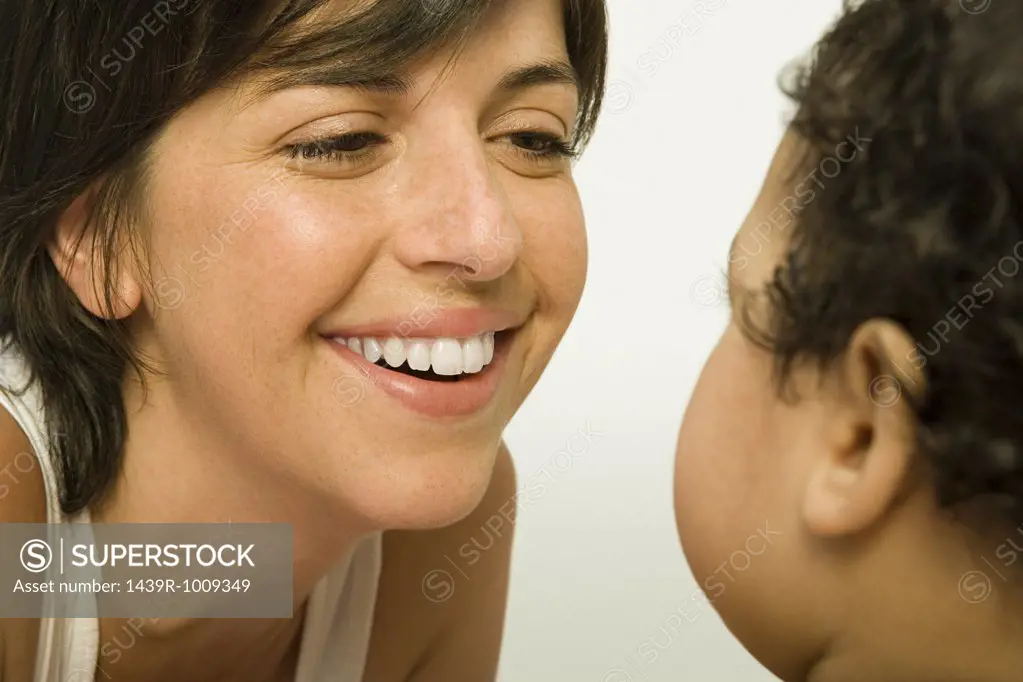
{"x": 286, "y": 258}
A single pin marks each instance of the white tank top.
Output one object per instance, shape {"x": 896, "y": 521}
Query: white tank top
{"x": 339, "y": 616}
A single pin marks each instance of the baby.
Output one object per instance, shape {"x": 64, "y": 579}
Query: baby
{"x": 849, "y": 482}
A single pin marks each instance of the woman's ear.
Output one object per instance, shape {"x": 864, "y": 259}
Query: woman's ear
{"x": 870, "y": 444}
{"x": 79, "y": 258}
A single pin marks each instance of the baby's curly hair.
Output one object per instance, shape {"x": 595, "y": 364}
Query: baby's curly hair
{"x": 924, "y": 226}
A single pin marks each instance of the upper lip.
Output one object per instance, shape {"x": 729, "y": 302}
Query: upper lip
{"x": 449, "y": 323}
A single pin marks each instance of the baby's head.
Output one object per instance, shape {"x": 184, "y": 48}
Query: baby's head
{"x": 849, "y": 484}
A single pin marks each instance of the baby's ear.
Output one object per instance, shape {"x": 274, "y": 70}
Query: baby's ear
{"x": 870, "y": 433}
{"x": 79, "y": 256}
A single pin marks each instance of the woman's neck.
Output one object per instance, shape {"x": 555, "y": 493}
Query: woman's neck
{"x": 215, "y": 650}
{"x": 177, "y": 470}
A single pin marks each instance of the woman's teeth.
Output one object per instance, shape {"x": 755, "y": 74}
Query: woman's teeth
{"x": 446, "y": 357}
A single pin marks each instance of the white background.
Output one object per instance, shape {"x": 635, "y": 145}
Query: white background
{"x": 676, "y": 163}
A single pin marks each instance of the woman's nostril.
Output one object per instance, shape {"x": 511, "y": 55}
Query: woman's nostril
{"x": 473, "y": 268}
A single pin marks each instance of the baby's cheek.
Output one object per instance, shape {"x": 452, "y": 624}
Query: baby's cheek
{"x": 698, "y": 488}
{"x": 716, "y": 455}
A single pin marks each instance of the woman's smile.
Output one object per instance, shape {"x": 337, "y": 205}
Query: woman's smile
{"x": 448, "y": 366}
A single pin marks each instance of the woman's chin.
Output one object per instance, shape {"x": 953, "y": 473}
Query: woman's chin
{"x": 422, "y": 495}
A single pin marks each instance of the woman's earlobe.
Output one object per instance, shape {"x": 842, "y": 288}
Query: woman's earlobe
{"x": 870, "y": 448}
{"x": 79, "y": 258}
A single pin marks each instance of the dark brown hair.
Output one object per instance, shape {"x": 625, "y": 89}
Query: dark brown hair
{"x": 84, "y": 89}
{"x": 911, "y": 112}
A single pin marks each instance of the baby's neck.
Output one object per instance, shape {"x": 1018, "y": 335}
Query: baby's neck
{"x": 912, "y": 658}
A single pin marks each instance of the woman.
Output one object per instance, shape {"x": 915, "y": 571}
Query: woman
{"x": 295, "y": 262}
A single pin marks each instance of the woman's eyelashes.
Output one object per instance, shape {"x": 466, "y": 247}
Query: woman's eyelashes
{"x": 351, "y": 149}
{"x": 541, "y": 147}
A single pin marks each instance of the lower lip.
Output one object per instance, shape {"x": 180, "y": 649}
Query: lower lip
{"x": 436, "y": 399}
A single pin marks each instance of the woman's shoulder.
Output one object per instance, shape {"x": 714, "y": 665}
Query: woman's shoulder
{"x": 22, "y": 489}
{"x": 26, "y": 469}
{"x": 22, "y": 500}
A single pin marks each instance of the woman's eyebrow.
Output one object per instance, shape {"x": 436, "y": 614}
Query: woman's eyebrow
{"x": 554, "y": 72}
{"x": 335, "y": 75}
{"x": 401, "y": 85}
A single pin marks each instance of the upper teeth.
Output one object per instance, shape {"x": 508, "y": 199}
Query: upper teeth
{"x": 447, "y": 357}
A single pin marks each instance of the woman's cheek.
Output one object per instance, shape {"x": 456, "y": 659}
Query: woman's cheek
{"x": 556, "y": 249}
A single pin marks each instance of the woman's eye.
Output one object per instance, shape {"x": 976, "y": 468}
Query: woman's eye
{"x": 541, "y": 147}
{"x": 351, "y": 148}
{"x": 346, "y": 148}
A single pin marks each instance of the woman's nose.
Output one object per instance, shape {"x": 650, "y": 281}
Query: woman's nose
{"x": 462, "y": 220}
